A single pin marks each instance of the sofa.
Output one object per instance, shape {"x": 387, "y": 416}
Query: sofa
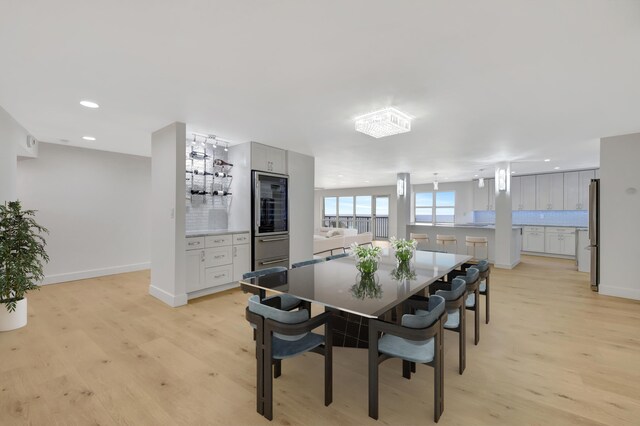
{"x": 326, "y": 240}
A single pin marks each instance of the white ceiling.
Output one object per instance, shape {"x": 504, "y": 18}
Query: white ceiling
{"x": 486, "y": 80}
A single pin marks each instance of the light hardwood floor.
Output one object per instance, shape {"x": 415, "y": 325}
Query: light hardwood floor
{"x": 102, "y": 351}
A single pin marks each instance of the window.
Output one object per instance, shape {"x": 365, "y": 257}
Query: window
{"x": 438, "y": 209}
{"x": 358, "y": 211}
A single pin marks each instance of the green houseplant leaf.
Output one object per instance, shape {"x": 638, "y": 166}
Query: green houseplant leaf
{"x": 21, "y": 253}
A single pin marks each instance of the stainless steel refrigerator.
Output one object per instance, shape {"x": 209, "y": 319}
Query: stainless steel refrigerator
{"x": 270, "y": 216}
{"x": 594, "y": 232}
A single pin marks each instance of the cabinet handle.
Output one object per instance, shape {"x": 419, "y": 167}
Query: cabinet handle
{"x": 193, "y": 243}
{"x": 268, "y": 240}
{"x": 219, "y": 275}
{"x": 219, "y": 256}
{"x": 202, "y": 256}
{"x": 218, "y": 241}
{"x": 275, "y": 261}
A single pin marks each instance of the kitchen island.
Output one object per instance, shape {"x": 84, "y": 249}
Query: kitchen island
{"x": 461, "y": 231}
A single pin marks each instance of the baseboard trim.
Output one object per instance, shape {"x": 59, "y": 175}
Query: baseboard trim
{"x": 173, "y": 300}
{"x": 626, "y": 293}
{"x": 93, "y": 273}
{"x": 212, "y": 290}
{"x": 557, "y": 256}
{"x": 507, "y": 266}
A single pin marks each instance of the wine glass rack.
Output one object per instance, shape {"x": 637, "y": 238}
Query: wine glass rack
{"x": 208, "y": 171}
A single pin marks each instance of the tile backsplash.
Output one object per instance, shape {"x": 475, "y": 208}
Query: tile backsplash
{"x": 539, "y": 217}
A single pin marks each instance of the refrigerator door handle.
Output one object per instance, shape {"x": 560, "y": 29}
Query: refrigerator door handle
{"x": 256, "y": 206}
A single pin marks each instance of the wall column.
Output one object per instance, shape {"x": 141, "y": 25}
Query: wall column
{"x": 504, "y": 223}
{"x": 403, "y": 217}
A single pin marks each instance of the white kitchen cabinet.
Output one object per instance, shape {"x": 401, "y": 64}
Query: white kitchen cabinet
{"x": 533, "y": 239}
{"x": 268, "y": 159}
{"x": 195, "y": 270}
{"x": 481, "y": 196}
{"x": 576, "y": 189}
{"x": 516, "y": 194}
{"x": 491, "y": 185}
{"x": 560, "y": 241}
{"x": 216, "y": 260}
{"x": 528, "y": 192}
{"x": 550, "y": 191}
{"x": 241, "y": 260}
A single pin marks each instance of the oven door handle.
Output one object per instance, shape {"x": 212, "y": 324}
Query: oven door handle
{"x": 257, "y": 205}
{"x": 271, "y": 262}
{"x": 268, "y": 240}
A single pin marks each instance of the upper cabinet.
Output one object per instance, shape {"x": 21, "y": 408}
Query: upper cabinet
{"x": 576, "y": 189}
{"x": 550, "y": 191}
{"x": 491, "y": 187}
{"x": 481, "y": 196}
{"x": 268, "y": 159}
{"x": 516, "y": 193}
{"x": 528, "y": 192}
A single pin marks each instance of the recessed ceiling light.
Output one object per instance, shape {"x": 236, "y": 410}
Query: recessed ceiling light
{"x": 366, "y": 181}
{"x": 546, "y": 160}
{"x": 89, "y": 104}
{"x": 339, "y": 175}
{"x": 556, "y": 168}
{"x": 88, "y": 138}
{"x": 475, "y": 175}
{"x": 513, "y": 172}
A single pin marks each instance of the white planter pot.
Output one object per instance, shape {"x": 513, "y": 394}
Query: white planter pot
{"x": 13, "y": 320}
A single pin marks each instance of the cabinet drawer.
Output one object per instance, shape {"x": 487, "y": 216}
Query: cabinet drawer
{"x": 565, "y": 230}
{"x": 194, "y": 243}
{"x": 534, "y": 229}
{"x": 218, "y": 241}
{"x": 217, "y": 256}
{"x": 241, "y": 238}
{"x": 218, "y": 276}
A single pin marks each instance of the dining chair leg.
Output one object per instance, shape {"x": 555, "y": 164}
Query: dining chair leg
{"x": 462, "y": 335}
{"x": 328, "y": 363}
{"x": 413, "y": 367}
{"x": 277, "y": 368}
{"x": 373, "y": 373}
{"x": 477, "y": 317}
{"x": 268, "y": 378}
{"x": 437, "y": 381}
{"x": 259, "y": 370}
{"x": 406, "y": 369}
{"x": 487, "y": 299}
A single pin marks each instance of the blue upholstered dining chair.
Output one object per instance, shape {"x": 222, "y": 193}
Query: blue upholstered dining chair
{"x": 485, "y": 271}
{"x": 337, "y": 256}
{"x": 472, "y": 278}
{"x": 282, "y": 335}
{"x": 287, "y": 302}
{"x": 307, "y": 263}
{"x": 417, "y": 340}
{"x": 455, "y": 298}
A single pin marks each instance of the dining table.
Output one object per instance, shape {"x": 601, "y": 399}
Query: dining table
{"x": 353, "y": 299}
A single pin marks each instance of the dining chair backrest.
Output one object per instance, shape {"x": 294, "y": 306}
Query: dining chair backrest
{"x": 425, "y": 319}
{"x": 307, "y": 263}
{"x": 286, "y": 317}
{"x": 262, "y": 272}
{"x": 482, "y": 266}
{"x": 458, "y": 287}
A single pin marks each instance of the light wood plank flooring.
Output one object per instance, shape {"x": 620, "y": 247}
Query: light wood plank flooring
{"x": 102, "y": 351}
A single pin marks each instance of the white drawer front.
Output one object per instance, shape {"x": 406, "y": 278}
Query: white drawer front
{"x": 566, "y": 230}
{"x": 241, "y": 238}
{"x": 218, "y": 276}
{"x": 217, "y": 256}
{"x": 195, "y": 243}
{"x": 534, "y": 229}
{"x": 218, "y": 241}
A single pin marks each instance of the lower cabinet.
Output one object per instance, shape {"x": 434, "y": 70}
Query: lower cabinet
{"x": 533, "y": 239}
{"x": 216, "y": 261}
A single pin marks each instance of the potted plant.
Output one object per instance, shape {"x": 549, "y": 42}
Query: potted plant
{"x": 21, "y": 256}
{"x": 404, "y": 248}
{"x": 367, "y": 258}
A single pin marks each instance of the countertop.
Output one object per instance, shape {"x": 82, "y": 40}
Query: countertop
{"x": 208, "y": 232}
{"x": 461, "y": 225}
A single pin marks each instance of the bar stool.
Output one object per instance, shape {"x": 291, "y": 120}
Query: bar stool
{"x": 445, "y": 240}
{"x": 422, "y": 239}
{"x": 475, "y": 242}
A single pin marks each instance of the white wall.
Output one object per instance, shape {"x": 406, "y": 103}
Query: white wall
{"x": 11, "y": 133}
{"x": 619, "y": 215}
{"x": 168, "y": 257}
{"x": 301, "y": 201}
{"x": 96, "y": 207}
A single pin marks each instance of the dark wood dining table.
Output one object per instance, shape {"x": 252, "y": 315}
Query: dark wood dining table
{"x": 337, "y": 286}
